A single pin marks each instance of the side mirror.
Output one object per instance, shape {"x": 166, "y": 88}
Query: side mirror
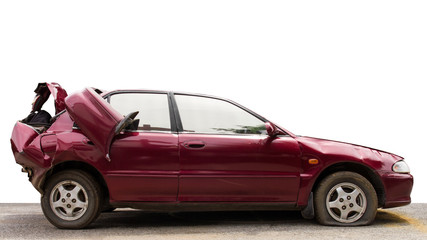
{"x": 272, "y": 130}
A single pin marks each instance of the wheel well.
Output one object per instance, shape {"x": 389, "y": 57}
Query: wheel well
{"x": 70, "y": 165}
{"x": 363, "y": 170}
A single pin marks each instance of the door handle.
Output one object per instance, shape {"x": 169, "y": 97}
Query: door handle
{"x": 194, "y": 144}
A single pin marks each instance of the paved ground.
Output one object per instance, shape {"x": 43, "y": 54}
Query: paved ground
{"x": 26, "y": 221}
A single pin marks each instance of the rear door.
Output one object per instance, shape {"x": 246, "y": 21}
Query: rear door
{"x": 144, "y": 161}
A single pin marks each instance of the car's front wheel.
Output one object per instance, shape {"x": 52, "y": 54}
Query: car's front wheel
{"x": 346, "y": 199}
{"x": 71, "y": 199}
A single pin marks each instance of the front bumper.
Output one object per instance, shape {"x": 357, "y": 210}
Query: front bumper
{"x": 398, "y": 188}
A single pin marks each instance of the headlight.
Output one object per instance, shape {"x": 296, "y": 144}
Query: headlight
{"x": 401, "y": 167}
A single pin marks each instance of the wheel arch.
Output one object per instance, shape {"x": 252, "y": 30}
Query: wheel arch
{"x": 82, "y": 166}
{"x": 359, "y": 168}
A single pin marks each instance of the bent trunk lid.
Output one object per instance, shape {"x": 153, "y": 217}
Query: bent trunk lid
{"x": 59, "y": 94}
{"x": 43, "y": 91}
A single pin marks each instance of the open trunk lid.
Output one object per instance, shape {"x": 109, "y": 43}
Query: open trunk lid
{"x": 43, "y": 91}
{"x": 39, "y": 117}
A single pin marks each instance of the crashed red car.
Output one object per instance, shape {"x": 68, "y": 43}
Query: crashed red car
{"x": 171, "y": 151}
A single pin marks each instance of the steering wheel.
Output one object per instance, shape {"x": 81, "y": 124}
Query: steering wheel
{"x": 125, "y": 122}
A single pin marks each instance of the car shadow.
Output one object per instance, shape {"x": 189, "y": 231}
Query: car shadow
{"x": 137, "y": 218}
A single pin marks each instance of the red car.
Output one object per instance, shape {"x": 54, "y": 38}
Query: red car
{"x": 192, "y": 152}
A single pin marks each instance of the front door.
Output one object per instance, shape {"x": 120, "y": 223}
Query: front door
{"x": 226, "y": 155}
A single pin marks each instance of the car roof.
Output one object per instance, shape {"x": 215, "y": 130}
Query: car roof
{"x": 109, "y": 93}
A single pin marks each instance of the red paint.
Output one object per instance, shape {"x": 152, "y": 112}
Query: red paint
{"x": 398, "y": 189}
{"x": 22, "y": 136}
{"x": 188, "y": 167}
{"x": 95, "y": 117}
{"x": 239, "y": 168}
{"x": 144, "y": 167}
{"x": 59, "y": 95}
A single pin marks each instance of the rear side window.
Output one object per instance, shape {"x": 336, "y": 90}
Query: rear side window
{"x": 214, "y": 116}
{"x": 153, "y": 109}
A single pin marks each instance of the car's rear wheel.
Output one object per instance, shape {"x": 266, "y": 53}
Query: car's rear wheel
{"x": 71, "y": 199}
{"x": 345, "y": 199}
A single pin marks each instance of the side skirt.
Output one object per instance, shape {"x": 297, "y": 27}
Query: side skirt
{"x": 205, "y": 207}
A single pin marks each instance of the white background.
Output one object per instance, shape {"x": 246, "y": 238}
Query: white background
{"x": 353, "y": 71}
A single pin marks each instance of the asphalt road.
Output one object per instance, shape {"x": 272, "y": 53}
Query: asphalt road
{"x": 26, "y": 221}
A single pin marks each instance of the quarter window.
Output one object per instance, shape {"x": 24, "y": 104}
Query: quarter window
{"x": 214, "y": 116}
{"x": 153, "y": 109}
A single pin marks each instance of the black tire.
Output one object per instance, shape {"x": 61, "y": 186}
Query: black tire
{"x": 109, "y": 209}
{"x": 345, "y": 199}
{"x": 72, "y": 199}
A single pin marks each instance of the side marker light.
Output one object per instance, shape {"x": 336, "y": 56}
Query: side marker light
{"x": 313, "y": 161}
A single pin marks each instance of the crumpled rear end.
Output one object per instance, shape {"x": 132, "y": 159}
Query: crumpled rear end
{"x": 27, "y": 151}
{"x": 22, "y": 136}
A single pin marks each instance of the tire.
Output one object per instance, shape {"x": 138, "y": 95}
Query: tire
{"x": 109, "y": 209}
{"x": 345, "y": 199}
{"x": 72, "y": 199}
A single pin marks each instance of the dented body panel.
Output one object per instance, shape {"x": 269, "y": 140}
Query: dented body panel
{"x": 94, "y": 116}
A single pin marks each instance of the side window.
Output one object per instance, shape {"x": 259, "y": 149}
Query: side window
{"x": 214, "y": 116}
{"x": 153, "y": 109}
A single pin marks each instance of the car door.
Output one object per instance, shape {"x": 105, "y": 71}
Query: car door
{"x": 227, "y": 156}
{"x": 144, "y": 161}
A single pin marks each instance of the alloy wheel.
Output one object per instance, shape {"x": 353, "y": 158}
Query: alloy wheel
{"x": 346, "y": 202}
{"x": 68, "y": 200}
